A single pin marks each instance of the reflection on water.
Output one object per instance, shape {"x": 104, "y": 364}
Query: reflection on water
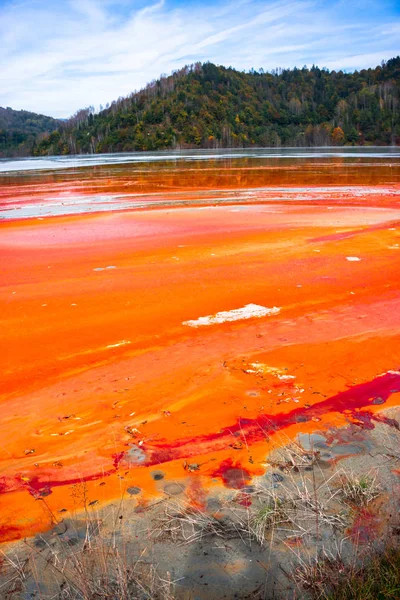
{"x": 67, "y": 162}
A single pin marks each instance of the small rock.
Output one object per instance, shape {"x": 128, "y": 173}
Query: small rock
{"x": 378, "y": 400}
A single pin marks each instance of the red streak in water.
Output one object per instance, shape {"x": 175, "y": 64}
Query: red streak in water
{"x": 38, "y": 487}
{"x": 117, "y": 458}
{"x": 254, "y": 430}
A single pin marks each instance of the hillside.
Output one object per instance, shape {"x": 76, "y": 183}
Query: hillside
{"x": 19, "y": 130}
{"x": 208, "y": 106}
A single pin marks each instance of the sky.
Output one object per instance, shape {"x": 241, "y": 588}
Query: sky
{"x": 58, "y": 56}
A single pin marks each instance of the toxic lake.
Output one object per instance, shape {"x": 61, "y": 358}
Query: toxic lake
{"x": 170, "y": 320}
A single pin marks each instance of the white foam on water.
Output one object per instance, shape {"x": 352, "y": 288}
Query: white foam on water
{"x": 249, "y": 311}
{"x": 123, "y": 343}
{"x": 105, "y": 268}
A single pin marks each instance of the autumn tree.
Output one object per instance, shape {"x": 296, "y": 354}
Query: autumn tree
{"x": 338, "y": 136}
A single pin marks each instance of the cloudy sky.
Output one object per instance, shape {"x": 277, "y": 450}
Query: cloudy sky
{"x": 61, "y": 55}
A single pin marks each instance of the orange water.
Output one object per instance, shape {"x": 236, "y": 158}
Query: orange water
{"x": 103, "y": 383}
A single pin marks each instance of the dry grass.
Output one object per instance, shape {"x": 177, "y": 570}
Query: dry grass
{"x": 270, "y": 516}
{"x": 319, "y": 574}
{"x": 359, "y": 491}
{"x": 303, "y": 502}
{"x": 97, "y": 569}
{"x": 329, "y": 578}
{"x": 183, "y": 523}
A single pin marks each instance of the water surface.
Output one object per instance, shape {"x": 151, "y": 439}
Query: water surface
{"x": 185, "y": 314}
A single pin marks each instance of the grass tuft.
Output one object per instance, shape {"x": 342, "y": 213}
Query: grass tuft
{"x": 266, "y": 518}
{"x": 359, "y": 491}
{"x": 330, "y": 579}
{"x": 182, "y": 523}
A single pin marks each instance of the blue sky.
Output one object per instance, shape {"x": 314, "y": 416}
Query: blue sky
{"x": 61, "y": 55}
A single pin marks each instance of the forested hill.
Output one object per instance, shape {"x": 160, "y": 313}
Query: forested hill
{"x": 19, "y": 129}
{"x": 206, "y": 106}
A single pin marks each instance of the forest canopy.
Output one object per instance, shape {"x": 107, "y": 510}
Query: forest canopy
{"x": 209, "y": 106}
{"x": 19, "y": 130}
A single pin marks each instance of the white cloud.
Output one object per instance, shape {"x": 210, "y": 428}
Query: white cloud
{"x": 74, "y": 53}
